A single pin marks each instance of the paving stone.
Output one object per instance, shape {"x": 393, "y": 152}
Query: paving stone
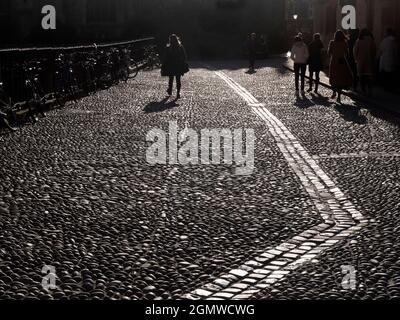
{"x": 232, "y": 290}
{"x": 262, "y": 271}
{"x": 257, "y": 276}
{"x": 242, "y": 297}
{"x": 202, "y": 293}
{"x": 239, "y": 272}
{"x": 250, "y": 280}
{"x": 222, "y": 283}
{"x": 241, "y": 285}
{"x": 224, "y": 295}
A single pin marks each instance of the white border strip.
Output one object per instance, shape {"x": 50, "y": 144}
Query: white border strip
{"x": 341, "y": 218}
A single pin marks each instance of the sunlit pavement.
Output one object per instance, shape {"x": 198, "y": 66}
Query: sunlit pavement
{"x": 321, "y": 206}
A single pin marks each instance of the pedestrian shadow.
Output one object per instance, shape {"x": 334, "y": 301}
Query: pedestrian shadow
{"x": 320, "y": 100}
{"x": 302, "y": 102}
{"x": 160, "y": 106}
{"x": 251, "y": 72}
{"x": 351, "y": 113}
{"x": 375, "y": 112}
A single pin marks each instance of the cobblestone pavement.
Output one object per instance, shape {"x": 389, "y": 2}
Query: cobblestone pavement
{"x": 77, "y": 194}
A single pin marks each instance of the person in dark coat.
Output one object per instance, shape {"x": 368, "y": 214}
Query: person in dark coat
{"x": 252, "y": 51}
{"x": 340, "y": 76}
{"x": 353, "y": 36}
{"x": 315, "y": 64}
{"x": 174, "y": 64}
{"x": 365, "y": 57}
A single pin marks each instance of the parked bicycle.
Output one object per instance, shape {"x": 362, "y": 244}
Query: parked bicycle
{"x": 37, "y": 83}
{"x": 35, "y": 97}
{"x": 152, "y": 58}
{"x": 6, "y": 109}
{"x": 65, "y": 83}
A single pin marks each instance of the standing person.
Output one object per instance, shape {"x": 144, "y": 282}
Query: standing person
{"x": 252, "y": 51}
{"x": 175, "y": 64}
{"x": 364, "y": 55}
{"x": 315, "y": 64}
{"x": 340, "y": 76}
{"x": 388, "y": 53}
{"x": 263, "y": 46}
{"x": 353, "y": 37}
{"x": 299, "y": 55}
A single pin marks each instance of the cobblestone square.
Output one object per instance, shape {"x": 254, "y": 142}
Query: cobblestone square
{"x": 77, "y": 194}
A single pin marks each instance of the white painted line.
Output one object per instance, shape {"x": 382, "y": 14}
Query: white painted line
{"x": 341, "y": 218}
{"x": 358, "y": 155}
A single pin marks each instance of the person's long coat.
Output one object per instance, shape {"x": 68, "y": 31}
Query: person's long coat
{"x": 252, "y": 48}
{"x": 365, "y": 55}
{"x": 389, "y": 55}
{"x": 174, "y": 62}
{"x": 315, "y": 60}
{"x": 340, "y": 75}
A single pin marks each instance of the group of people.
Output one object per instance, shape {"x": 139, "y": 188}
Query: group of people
{"x": 352, "y": 60}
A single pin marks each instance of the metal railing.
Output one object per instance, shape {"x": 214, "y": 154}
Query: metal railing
{"x": 9, "y": 58}
{"x": 93, "y": 46}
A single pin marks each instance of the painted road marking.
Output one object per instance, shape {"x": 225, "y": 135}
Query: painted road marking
{"x": 361, "y": 154}
{"x": 341, "y": 218}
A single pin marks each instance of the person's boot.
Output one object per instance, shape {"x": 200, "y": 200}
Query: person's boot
{"x": 370, "y": 93}
{"x": 310, "y": 88}
{"x": 169, "y": 91}
{"x": 178, "y": 91}
{"x": 316, "y": 87}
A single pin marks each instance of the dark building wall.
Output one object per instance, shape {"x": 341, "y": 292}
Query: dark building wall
{"x": 376, "y": 15}
{"x": 205, "y": 25}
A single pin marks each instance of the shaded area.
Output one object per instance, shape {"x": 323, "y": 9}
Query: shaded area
{"x": 160, "y": 106}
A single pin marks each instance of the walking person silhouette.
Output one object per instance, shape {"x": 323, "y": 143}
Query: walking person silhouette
{"x": 315, "y": 63}
{"x": 174, "y": 64}
{"x": 389, "y": 59}
{"x": 365, "y": 55}
{"x": 299, "y": 55}
{"x": 252, "y": 51}
{"x": 340, "y": 76}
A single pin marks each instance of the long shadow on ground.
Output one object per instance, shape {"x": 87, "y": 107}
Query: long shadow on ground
{"x": 160, "y": 106}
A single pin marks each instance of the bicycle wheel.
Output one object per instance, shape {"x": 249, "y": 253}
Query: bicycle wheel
{"x": 73, "y": 90}
{"x": 124, "y": 74}
{"x": 133, "y": 69}
{"x": 5, "y": 123}
{"x": 6, "y": 111}
{"x": 60, "y": 99}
